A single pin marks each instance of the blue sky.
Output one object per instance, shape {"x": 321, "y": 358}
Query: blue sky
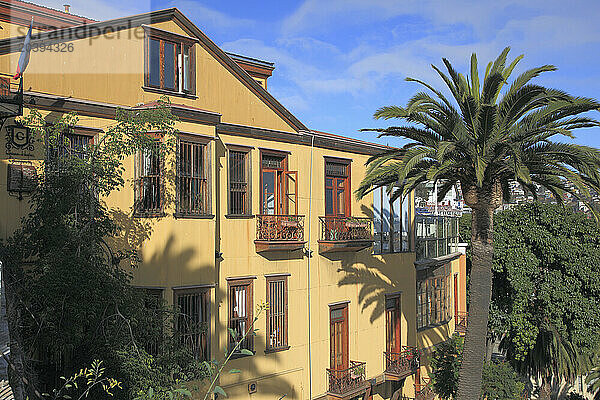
{"x": 337, "y": 61}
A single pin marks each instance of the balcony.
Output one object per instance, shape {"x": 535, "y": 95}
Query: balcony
{"x": 424, "y": 390}
{"x": 349, "y": 382}
{"x": 345, "y": 234}
{"x": 437, "y": 236}
{"x": 461, "y": 320}
{"x": 11, "y": 96}
{"x": 279, "y": 232}
{"x": 400, "y": 365}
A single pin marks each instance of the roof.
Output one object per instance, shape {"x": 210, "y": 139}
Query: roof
{"x": 250, "y": 60}
{"x": 383, "y": 147}
{"x": 45, "y": 18}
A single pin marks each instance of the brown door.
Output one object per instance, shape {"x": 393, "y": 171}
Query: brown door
{"x": 338, "y": 343}
{"x": 393, "y": 326}
{"x": 455, "y": 295}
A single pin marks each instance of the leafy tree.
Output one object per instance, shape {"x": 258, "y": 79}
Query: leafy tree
{"x": 445, "y": 364}
{"x": 593, "y": 381}
{"x": 500, "y": 380}
{"x": 485, "y": 141}
{"x": 69, "y": 301}
{"x": 546, "y": 297}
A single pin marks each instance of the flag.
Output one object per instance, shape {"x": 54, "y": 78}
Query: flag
{"x": 24, "y": 57}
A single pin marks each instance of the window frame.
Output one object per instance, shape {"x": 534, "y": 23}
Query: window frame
{"x": 231, "y": 284}
{"x": 204, "y": 143}
{"x": 433, "y": 297}
{"x": 347, "y": 186}
{"x": 378, "y": 247}
{"x": 248, "y": 165}
{"x": 180, "y": 43}
{"x": 204, "y": 294}
{"x": 138, "y": 211}
{"x": 285, "y": 346}
{"x": 282, "y": 173}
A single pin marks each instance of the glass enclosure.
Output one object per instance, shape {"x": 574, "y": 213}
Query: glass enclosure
{"x": 436, "y": 235}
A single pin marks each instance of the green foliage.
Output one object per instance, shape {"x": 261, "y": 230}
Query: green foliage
{"x": 501, "y": 382}
{"x": 445, "y": 364}
{"x": 77, "y": 301}
{"x": 574, "y": 396}
{"x": 546, "y": 296}
{"x": 593, "y": 382}
{"x": 84, "y": 382}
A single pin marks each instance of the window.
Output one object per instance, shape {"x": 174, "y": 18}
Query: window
{"x": 279, "y": 187}
{"x": 192, "y": 183}
{"x": 240, "y": 313}
{"x": 70, "y": 144}
{"x": 153, "y": 298}
{"x": 239, "y": 183}
{"x": 148, "y": 185}
{"x": 433, "y": 298}
{"x": 437, "y": 235}
{"x": 192, "y": 322}
{"x": 170, "y": 61}
{"x": 391, "y": 223}
{"x": 277, "y": 323}
{"x": 337, "y": 188}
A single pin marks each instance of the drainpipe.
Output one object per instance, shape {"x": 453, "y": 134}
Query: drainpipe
{"x": 309, "y": 256}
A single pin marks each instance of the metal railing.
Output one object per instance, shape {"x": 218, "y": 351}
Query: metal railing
{"x": 461, "y": 321}
{"x": 424, "y": 390}
{"x": 272, "y": 227}
{"x": 337, "y": 229}
{"x": 403, "y": 363}
{"x": 342, "y": 381}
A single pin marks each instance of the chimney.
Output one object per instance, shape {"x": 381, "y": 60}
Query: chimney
{"x": 67, "y": 7}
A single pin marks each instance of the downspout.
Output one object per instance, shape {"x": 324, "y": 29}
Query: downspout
{"x": 309, "y": 256}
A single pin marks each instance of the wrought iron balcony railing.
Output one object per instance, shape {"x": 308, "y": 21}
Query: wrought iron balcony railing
{"x": 403, "y": 363}
{"x": 340, "y": 228}
{"x": 342, "y": 381}
{"x": 461, "y": 321}
{"x": 424, "y": 390}
{"x": 272, "y": 227}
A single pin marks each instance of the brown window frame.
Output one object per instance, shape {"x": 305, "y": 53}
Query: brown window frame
{"x": 156, "y": 178}
{"x": 189, "y": 179}
{"x": 396, "y": 298}
{"x": 67, "y": 144}
{"x": 204, "y": 304}
{"x": 334, "y": 187}
{"x": 283, "y": 174}
{"x": 232, "y": 321}
{"x": 181, "y": 43}
{"x": 277, "y": 315}
{"x": 343, "y": 307}
{"x": 433, "y": 298}
{"x": 247, "y": 202}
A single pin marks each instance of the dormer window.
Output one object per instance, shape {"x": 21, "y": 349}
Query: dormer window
{"x": 169, "y": 62}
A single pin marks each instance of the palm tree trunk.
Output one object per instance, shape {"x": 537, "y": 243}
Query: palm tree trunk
{"x": 482, "y": 250}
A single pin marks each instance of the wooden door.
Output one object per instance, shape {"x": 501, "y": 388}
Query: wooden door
{"x": 455, "y": 295}
{"x": 393, "y": 325}
{"x": 338, "y": 343}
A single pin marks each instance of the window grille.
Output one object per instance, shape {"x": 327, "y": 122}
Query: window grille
{"x": 192, "y": 322}
{"x": 148, "y": 193}
{"x": 239, "y": 203}
{"x": 240, "y": 315}
{"x": 192, "y": 182}
{"x": 277, "y": 313}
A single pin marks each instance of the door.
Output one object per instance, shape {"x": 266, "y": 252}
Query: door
{"x": 336, "y": 197}
{"x": 338, "y": 343}
{"x": 291, "y": 192}
{"x": 455, "y": 296}
{"x": 393, "y": 326}
{"x": 271, "y": 188}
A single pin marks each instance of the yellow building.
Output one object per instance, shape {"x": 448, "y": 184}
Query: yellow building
{"x": 254, "y": 207}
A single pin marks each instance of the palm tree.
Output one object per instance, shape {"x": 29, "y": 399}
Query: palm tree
{"x": 485, "y": 141}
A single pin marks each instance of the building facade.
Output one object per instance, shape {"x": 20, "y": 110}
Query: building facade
{"x": 251, "y": 207}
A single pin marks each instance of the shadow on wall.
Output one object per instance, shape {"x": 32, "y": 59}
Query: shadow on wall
{"x": 134, "y": 232}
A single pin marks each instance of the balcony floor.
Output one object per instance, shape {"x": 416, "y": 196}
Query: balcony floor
{"x": 333, "y": 246}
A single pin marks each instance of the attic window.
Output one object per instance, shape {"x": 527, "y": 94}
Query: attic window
{"x": 169, "y": 62}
